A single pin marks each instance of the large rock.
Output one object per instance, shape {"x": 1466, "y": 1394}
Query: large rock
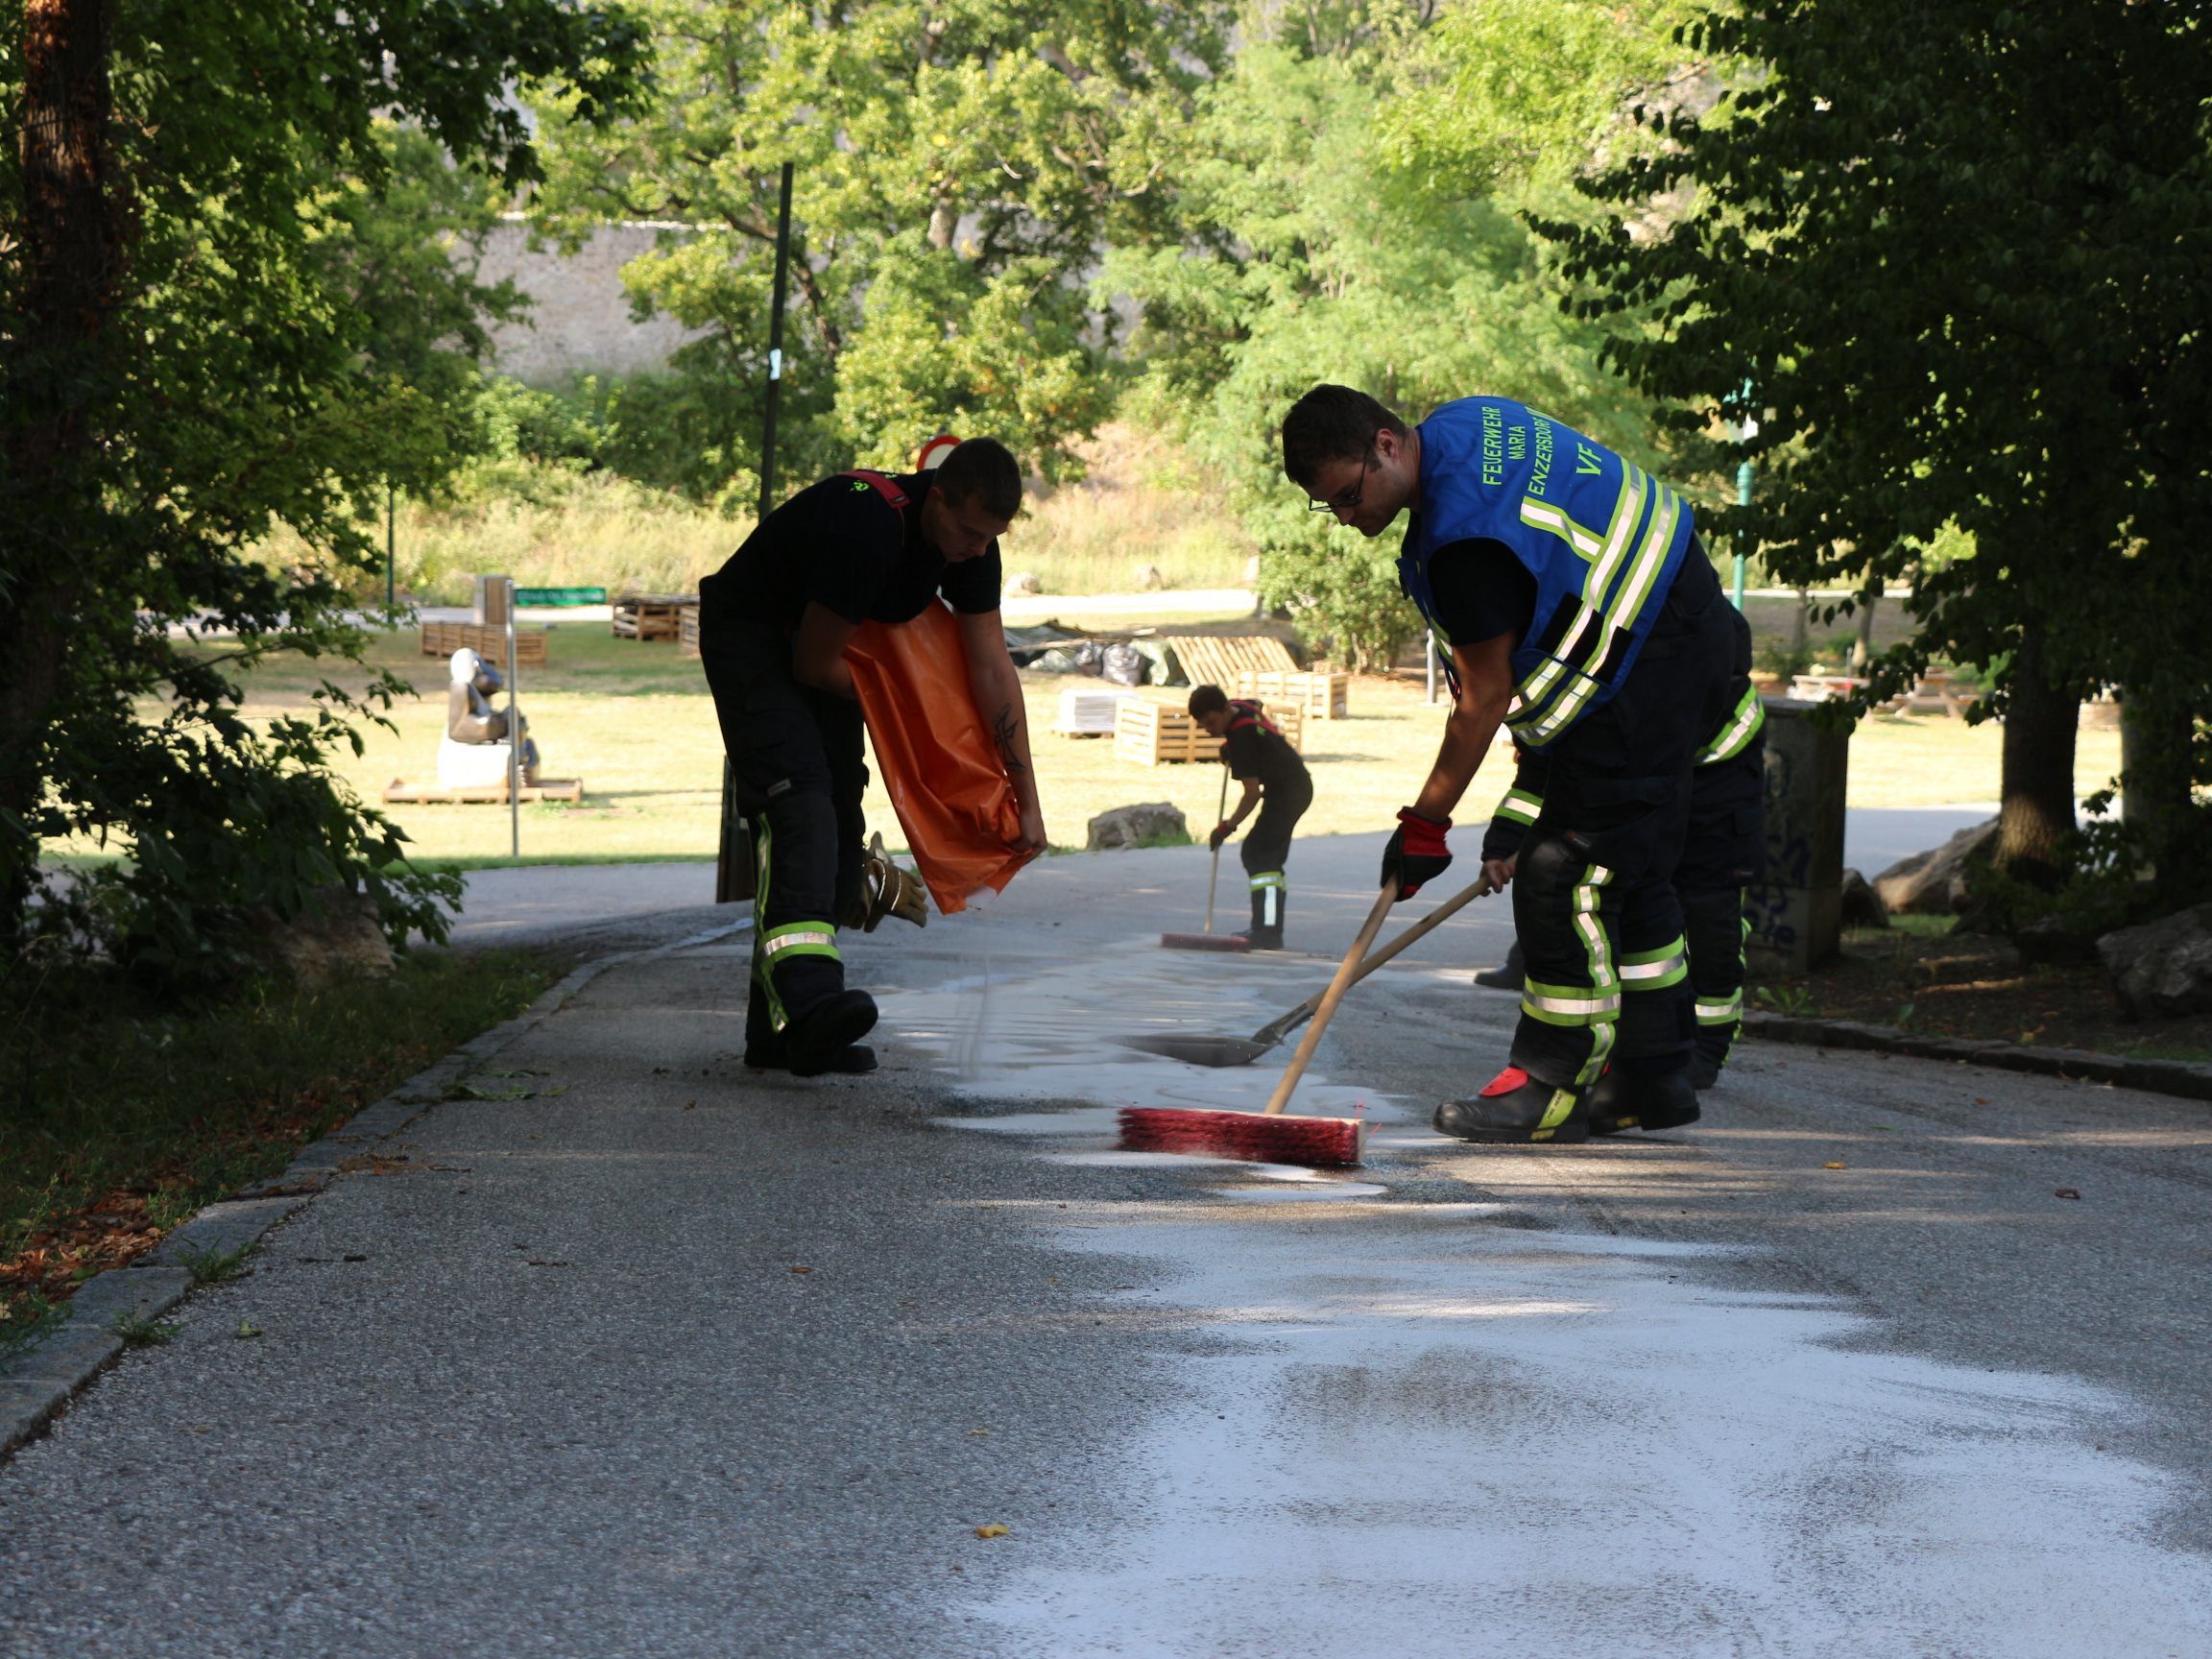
{"x": 1149, "y": 580}
{"x": 339, "y": 939}
{"x": 2163, "y": 966}
{"x": 1150, "y": 823}
{"x": 1861, "y": 905}
{"x": 1934, "y": 883}
{"x": 1022, "y": 582}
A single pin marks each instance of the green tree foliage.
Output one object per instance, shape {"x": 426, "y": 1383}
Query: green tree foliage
{"x": 959, "y": 165}
{"x": 1315, "y": 251}
{"x": 208, "y": 328}
{"x": 1962, "y": 254}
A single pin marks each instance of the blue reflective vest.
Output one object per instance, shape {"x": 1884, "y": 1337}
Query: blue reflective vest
{"x": 1603, "y": 540}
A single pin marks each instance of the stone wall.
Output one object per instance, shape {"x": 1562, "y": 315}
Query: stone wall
{"x": 581, "y": 323}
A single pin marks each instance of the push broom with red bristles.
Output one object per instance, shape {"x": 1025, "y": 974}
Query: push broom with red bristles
{"x": 1210, "y": 940}
{"x": 1270, "y": 1136}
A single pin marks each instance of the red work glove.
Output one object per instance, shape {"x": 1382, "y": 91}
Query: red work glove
{"x": 1416, "y": 852}
{"x": 1221, "y": 832}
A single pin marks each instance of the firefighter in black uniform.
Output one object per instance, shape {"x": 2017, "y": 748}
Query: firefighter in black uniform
{"x": 1722, "y": 851}
{"x": 773, "y": 626}
{"x": 1582, "y": 613}
{"x": 1276, "y": 782}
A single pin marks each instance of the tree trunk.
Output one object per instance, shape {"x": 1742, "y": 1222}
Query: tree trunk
{"x": 2154, "y": 768}
{"x": 1862, "y": 648}
{"x": 2042, "y": 722}
{"x": 52, "y": 378}
{"x": 1800, "y": 632}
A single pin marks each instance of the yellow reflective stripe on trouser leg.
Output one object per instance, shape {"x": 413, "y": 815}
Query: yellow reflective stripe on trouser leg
{"x": 1590, "y": 926}
{"x": 1656, "y": 970}
{"x": 1268, "y": 883}
{"x": 1720, "y": 1011}
{"x": 800, "y": 938}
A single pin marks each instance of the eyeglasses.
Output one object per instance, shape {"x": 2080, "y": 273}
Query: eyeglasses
{"x": 1346, "y": 500}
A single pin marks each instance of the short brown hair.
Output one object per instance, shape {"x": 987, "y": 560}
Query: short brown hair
{"x": 982, "y": 470}
{"x": 1207, "y": 700}
{"x": 1332, "y": 424}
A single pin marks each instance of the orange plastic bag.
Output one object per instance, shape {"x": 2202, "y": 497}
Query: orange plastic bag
{"x": 941, "y": 765}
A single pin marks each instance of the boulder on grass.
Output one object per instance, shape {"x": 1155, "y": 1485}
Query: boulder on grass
{"x": 1934, "y": 883}
{"x": 1023, "y": 581}
{"x": 337, "y": 940}
{"x": 2054, "y": 942}
{"x": 1148, "y": 824}
{"x": 1149, "y": 580}
{"x": 1863, "y": 907}
{"x": 2163, "y": 968}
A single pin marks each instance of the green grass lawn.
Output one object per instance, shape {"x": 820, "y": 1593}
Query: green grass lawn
{"x": 635, "y": 722}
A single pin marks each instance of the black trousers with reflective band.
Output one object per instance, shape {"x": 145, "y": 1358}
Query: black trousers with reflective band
{"x": 1266, "y": 845}
{"x": 1599, "y": 919}
{"x": 796, "y": 763}
{"x": 1722, "y": 854}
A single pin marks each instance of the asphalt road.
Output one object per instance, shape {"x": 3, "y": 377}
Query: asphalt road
{"x": 664, "y": 1357}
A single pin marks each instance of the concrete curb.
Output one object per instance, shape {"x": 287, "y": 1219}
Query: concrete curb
{"x": 2181, "y": 1077}
{"x": 37, "y": 1383}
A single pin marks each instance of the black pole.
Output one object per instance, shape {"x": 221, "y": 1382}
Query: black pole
{"x": 391, "y": 497}
{"x": 775, "y": 346}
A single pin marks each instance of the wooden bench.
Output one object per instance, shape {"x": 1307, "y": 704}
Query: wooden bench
{"x": 1153, "y": 734}
{"x": 650, "y": 616}
{"x": 444, "y": 639}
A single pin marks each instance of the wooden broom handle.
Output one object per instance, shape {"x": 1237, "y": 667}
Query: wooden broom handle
{"x": 1214, "y": 874}
{"x": 1347, "y": 971}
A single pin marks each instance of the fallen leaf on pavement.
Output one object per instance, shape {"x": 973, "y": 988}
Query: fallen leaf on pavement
{"x": 802, "y": 1269}
{"x": 246, "y": 1329}
{"x": 2066, "y": 1193}
{"x": 1835, "y": 1164}
{"x": 992, "y": 1530}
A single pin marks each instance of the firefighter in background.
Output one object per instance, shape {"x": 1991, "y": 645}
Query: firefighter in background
{"x": 1722, "y": 850}
{"x": 1582, "y": 613}
{"x": 773, "y": 626}
{"x": 1275, "y": 781}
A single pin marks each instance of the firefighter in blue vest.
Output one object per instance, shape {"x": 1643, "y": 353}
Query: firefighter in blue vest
{"x": 1722, "y": 851}
{"x": 773, "y": 625}
{"x": 1582, "y": 614}
{"x": 1275, "y": 781}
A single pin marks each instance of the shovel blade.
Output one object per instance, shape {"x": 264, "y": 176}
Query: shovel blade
{"x": 1216, "y": 1051}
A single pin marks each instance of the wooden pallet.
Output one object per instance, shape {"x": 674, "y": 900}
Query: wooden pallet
{"x": 444, "y": 639}
{"x": 650, "y": 616}
{"x": 1153, "y": 734}
{"x": 401, "y": 792}
{"x": 687, "y": 631}
{"x": 1321, "y": 694}
{"x": 1209, "y": 660}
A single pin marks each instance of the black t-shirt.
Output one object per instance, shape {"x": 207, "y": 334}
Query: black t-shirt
{"x": 1481, "y": 591}
{"x": 1252, "y": 750}
{"x": 839, "y": 544}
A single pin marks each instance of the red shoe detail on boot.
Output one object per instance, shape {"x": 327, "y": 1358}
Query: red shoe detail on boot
{"x": 1505, "y": 1082}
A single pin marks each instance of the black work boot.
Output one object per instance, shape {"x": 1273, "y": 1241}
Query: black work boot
{"x": 1624, "y": 1100}
{"x": 1508, "y": 976}
{"x": 1265, "y": 934}
{"x": 1705, "y": 1069}
{"x": 816, "y": 1040}
{"x": 1517, "y": 1108}
{"x": 767, "y": 1050}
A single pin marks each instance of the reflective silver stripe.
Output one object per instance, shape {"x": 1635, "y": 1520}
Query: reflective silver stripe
{"x": 1627, "y": 508}
{"x": 1743, "y": 726}
{"x": 799, "y": 939}
{"x": 1590, "y": 1008}
{"x": 1659, "y": 970}
{"x": 1721, "y": 1012}
{"x": 1519, "y": 807}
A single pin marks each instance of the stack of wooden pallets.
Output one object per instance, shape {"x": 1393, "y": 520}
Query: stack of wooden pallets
{"x": 1154, "y": 734}
{"x": 688, "y": 630}
{"x": 444, "y": 639}
{"x": 399, "y": 792}
{"x": 650, "y": 616}
{"x": 1259, "y": 665}
{"x": 1322, "y": 694}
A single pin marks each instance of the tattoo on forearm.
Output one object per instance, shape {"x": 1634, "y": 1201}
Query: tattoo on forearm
{"x": 1005, "y": 731}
